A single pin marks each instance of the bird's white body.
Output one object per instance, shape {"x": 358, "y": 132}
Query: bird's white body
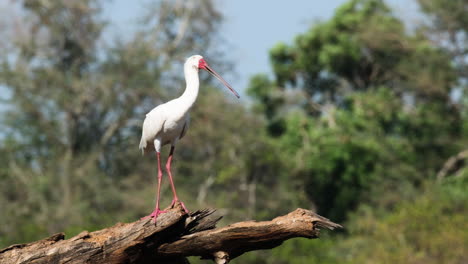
{"x": 168, "y": 122}
{"x": 164, "y": 126}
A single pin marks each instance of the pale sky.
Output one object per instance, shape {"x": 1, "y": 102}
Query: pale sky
{"x": 252, "y": 27}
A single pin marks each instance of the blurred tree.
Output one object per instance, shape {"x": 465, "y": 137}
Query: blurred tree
{"x": 448, "y": 27}
{"x": 354, "y": 100}
{"x": 430, "y": 228}
{"x": 73, "y": 119}
{"x": 362, "y": 47}
{"x": 49, "y": 72}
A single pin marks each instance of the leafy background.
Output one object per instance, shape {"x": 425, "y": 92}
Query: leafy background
{"x": 359, "y": 122}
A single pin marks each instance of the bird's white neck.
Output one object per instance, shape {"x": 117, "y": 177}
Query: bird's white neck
{"x": 193, "y": 83}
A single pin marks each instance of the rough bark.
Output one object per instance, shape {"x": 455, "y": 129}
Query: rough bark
{"x": 174, "y": 237}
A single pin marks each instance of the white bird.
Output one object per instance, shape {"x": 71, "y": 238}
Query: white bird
{"x": 168, "y": 122}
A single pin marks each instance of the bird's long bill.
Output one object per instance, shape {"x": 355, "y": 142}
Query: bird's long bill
{"x": 215, "y": 74}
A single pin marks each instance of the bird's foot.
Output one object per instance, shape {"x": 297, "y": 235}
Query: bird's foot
{"x": 175, "y": 201}
{"x": 154, "y": 215}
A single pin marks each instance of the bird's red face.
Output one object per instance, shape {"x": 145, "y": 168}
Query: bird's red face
{"x": 203, "y": 65}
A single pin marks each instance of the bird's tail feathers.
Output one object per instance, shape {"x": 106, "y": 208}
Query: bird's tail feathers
{"x": 143, "y": 145}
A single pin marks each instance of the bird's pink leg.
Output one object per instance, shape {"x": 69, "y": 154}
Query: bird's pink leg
{"x": 168, "y": 167}
{"x": 157, "y": 211}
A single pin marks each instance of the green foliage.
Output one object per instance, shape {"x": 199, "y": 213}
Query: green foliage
{"x": 417, "y": 231}
{"x": 369, "y": 97}
{"x": 338, "y": 158}
{"x": 430, "y": 228}
{"x": 362, "y": 47}
{"x": 73, "y": 120}
{"x": 359, "y": 118}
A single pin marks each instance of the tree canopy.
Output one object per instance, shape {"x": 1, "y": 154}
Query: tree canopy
{"x": 355, "y": 100}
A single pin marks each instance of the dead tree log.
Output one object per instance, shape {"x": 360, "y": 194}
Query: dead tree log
{"x": 174, "y": 237}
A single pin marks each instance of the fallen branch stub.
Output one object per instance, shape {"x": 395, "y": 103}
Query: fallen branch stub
{"x": 175, "y": 237}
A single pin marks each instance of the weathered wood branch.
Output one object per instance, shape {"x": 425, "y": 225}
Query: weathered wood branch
{"x": 452, "y": 163}
{"x": 174, "y": 237}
